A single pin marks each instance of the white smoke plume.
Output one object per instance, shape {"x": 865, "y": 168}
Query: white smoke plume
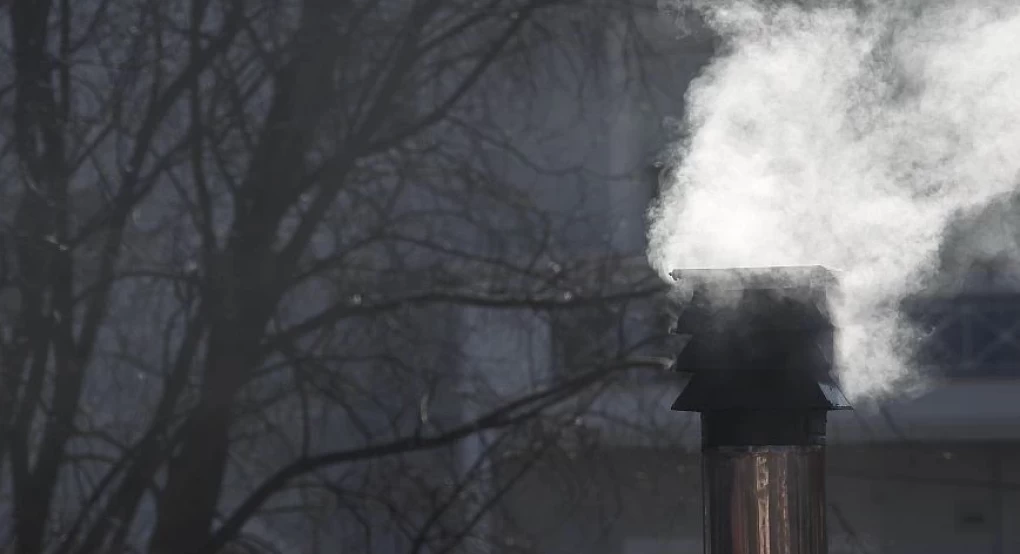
{"x": 844, "y": 134}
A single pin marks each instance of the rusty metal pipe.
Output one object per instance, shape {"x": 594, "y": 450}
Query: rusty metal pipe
{"x": 764, "y": 500}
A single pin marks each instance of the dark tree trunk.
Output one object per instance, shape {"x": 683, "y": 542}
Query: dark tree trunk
{"x": 188, "y": 504}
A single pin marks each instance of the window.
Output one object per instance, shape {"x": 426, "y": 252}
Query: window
{"x": 655, "y": 176}
{"x": 585, "y": 336}
{"x": 582, "y": 338}
{"x": 969, "y": 335}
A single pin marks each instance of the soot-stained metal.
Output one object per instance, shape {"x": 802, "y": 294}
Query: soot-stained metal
{"x": 759, "y": 356}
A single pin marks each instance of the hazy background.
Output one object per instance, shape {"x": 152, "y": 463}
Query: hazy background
{"x": 372, "y": 275}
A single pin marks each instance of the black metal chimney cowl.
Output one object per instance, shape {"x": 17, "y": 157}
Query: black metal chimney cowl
{"x": 760, "y": 359}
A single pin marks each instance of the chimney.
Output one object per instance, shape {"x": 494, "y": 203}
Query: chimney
{"x": 759, "y": 355}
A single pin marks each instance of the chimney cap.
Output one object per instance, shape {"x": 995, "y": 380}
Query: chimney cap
{"x": 760, "y": 339}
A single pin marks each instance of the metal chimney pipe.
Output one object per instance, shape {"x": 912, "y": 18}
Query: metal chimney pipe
{"x": 759, "y": 356}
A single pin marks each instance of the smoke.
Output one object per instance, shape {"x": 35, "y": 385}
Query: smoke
{"x": 844, "y": 134}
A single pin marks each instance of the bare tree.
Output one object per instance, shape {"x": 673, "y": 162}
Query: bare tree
{"x": 243, "y": 242}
